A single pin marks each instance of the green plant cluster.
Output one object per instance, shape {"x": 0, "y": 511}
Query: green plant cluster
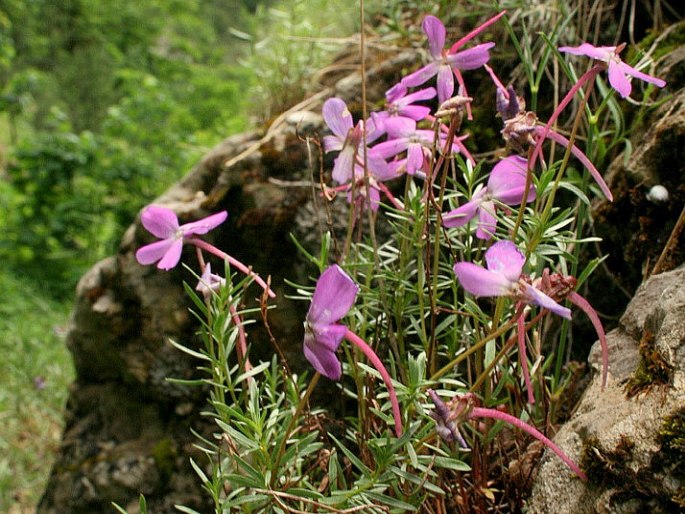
{"x": 275, "y": 451}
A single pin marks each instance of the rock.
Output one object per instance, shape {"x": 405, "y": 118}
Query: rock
{"x": 629, "y": 437}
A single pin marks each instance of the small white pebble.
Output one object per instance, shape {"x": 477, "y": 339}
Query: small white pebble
{"x": 657, "y": 194}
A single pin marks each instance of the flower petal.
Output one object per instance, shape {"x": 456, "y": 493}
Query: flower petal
{"x": 487, "y": 222}
{"x": 334, "y": 295}
{"x": 414, "y": 157}
{"x": 149, "y": 254}
{"x": 422, "y": 94}
{"x": 435, "y": 31}
{"x": 505, "y": 258}
{"x": 415, "y": 112}
{"x": 337, "y": 117}
{"x": 481, "y": 282}
{"x": 445, "y": 83}
{"x": 421, "y": 75}
{"x": 172, "y": 256}
{"x": 204, "y": 225}
{"x": 399, "y": 127}
{"x": 629, "y": 70}
{"x": 395, "y": 93}
{"x": 618, "y": 79}
{"x": 507, "y": 180}
{"x": 391, "y": 147}
{"x": 532, "y": 295}
{"x": 601, "y": 53}
{"x": 472, "y": 58}
{"x": 319, "y": 349}
{"x": 161, "y": 222}
{"x": 332, "y": 143}
{"x": 343, "y": 164}
{"x": 464, "y": 213}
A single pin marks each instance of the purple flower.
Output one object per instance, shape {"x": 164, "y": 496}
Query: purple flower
{"x": 163, "y": 223}
{"x": 618, "y": 70}
{"x": 334, "y": 295}
{"x": 445, "y": 61}
{"x": 506, "y": 184}
{"x": 418, "y": 144}
{"x": 445, "y": 420}
{"x": 503, "y": 278}
{"x": 347, "y": 138}
{"x": 209, "y": 282}
{"x": 400, "y": 108}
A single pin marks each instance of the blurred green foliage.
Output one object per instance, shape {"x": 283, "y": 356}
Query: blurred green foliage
{"x": 105, "y": 104}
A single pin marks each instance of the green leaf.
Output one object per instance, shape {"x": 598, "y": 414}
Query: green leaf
{"x": 389, "y": 500}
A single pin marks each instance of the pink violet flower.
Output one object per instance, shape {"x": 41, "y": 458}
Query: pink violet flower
{"x": 418, "y": 143}
{"x": 506, "y": 184}
{"x": 617, "y": 69}
{"x": 347, "y": 138}
{"x": 209, "y": 282}
{"x": 334, "y": 295}
{"x": 502, "y": 277}
{"x": 400, "y": 108}
{"x": 163, "y": 223}
{"x": 446, "y": 63}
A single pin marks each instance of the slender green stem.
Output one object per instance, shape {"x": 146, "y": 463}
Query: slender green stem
{"x": 286, "y": 434}
{"x": 447, "y": 368}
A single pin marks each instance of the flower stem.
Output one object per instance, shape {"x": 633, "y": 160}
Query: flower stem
{"x": 376, "y": 362}
{"x": 480, "y": 28}
{"x": 521, "y": 335}
{"x": 295, "y": 417}
{"x": 586, "y": 77}
{"x": 585, "y": 306}
{"x": 232, "y": 261}
{"x": 480, "y": 412}
{"x": 242, "y": 339}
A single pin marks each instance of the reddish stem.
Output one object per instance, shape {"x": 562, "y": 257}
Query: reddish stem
{"x": 391, "y": 197}
{"x": 457, "y": 140}
{"x": 578, "y": 153}
{"x": 585, "y": 306}
{"x": 521, "y": 334}
{"x": 232, "y": 261}
{"x": 463, "y": 91}
{"x": 475, "y": 32}
{"x": 376, "y": 362}
{"x": 497, "y": 81}
{"x": 480, "y": 412}
{"x": 242, "y": 339}
{"x": 586, "y": 77}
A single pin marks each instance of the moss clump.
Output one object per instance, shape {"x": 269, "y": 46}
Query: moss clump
{"x": 671, "y": 437}
{"x": 674, "y": 40}
{"x": 672, "y": 433}
{"x": 608, "y": 466}
{"x": 653, "y": 369}
{"x": 164, "y": 454}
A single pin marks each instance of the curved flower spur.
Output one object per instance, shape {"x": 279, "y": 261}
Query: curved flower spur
{"x": 334, "y": 296}
{"x": 503, "y": 276}
{"x": 462, "y": 408}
